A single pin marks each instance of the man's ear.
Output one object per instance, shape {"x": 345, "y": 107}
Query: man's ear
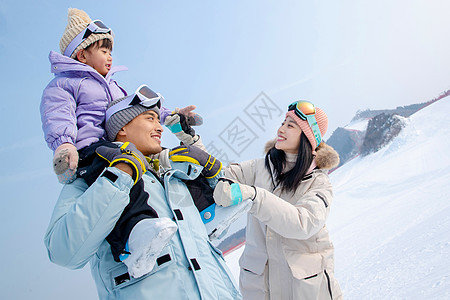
{"x": 81, "y": 56}
{"x": 121, "y": 134}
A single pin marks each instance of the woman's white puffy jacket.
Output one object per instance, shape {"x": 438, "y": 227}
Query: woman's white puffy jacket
{"x": 288, "y": 253}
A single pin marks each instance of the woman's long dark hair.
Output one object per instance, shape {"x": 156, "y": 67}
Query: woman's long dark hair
{"x": 290, "y": 180}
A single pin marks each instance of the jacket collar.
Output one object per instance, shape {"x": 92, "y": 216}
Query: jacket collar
{"x": 184, "y": 170}
{"x": 60, "y": 64}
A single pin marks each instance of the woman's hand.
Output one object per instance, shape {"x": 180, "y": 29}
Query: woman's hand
{"x": 228, "y": 192}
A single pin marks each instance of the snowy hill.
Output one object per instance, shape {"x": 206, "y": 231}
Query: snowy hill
{"x": 390, "y": 220}
{"x": 391, "y": 217}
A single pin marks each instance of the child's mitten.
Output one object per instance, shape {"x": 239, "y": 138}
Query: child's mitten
{"x": 65, "y": 163}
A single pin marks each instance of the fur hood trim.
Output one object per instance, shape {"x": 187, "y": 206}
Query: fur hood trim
{"x": 326, "y": 157}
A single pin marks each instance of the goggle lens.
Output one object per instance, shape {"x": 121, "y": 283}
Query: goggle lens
{"x": 303, "y": 109}
{"x": 100, "y": 24}
{"x": 307, "y": 108}
{"x": 147, "y": 92}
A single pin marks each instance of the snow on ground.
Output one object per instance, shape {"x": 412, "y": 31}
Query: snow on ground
{"x": 390, "y": 220}
{"x": 391, "y": 214}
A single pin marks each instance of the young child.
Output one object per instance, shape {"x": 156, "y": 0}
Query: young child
{"x": 74, "y": 103}
{"x": 73, "y": 112}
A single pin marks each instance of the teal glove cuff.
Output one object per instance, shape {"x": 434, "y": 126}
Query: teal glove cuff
{"x": 175, "y": 128}
{"x": 236, "y": 194}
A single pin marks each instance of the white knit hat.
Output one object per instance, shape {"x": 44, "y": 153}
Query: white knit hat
{"x": 78, "y": 20}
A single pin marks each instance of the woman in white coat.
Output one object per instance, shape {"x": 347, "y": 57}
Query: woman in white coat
{"x": 288, "y": 253}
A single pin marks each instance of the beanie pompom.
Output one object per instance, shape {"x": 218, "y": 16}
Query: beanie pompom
{"x": 78, "y": 16}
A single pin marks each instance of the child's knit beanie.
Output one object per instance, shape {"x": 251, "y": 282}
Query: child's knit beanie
{"x": 125, "y": 116}
{"x": 78, "y": 20}
{"x": 322, "y": 121}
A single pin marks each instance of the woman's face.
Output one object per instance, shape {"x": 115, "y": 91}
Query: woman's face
{"x": 288, "y": 138}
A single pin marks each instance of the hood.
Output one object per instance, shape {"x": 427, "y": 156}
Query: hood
{"x": 326, "y": 157}
{"x": 60, "y": 63}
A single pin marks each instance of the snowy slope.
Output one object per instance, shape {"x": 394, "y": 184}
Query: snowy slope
{"x": 390, "y": 220}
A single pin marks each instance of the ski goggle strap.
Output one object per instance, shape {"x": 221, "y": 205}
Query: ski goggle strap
{"x": 143, "y": 96}
{"x": 95, "y": 26}
{"x": 306, "y": 111}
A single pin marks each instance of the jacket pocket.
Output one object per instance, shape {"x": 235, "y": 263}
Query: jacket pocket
{"x": 119, "y": 277}
{"x": 253, "y": 261}
{"x": 304, "y": 265}
{"x": 312, "y": 287}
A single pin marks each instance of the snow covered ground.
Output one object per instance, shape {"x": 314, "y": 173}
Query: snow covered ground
{"x": 390, "y": 220}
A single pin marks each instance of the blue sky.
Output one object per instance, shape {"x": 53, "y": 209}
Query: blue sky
{"x": 219, "y": 55}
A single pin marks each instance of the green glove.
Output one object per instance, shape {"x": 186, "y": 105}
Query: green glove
{"x": 228, "y": 192}
{"x": 128, "y": 154}
{"x": 211, "y": 165}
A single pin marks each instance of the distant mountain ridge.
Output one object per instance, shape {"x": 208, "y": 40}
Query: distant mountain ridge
{"x": 382, "y": 126}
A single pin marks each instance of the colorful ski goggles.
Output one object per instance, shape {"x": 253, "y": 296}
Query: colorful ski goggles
{"x": 306, "y": 111}
{"x": 95, "y": 26}
{"x": 143, "y": 96}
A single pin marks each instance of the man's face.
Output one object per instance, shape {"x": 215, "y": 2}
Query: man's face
{"x": 144, "y": 132}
